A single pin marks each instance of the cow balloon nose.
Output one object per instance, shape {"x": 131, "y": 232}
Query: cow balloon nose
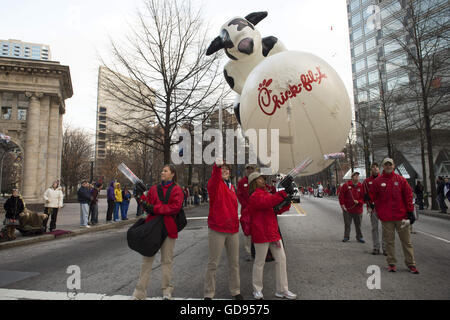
{"x": 237, "y": 113}
{"x": 246, "y": 46}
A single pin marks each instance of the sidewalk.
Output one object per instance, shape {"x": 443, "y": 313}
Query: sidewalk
{"x": 69, "y": 220}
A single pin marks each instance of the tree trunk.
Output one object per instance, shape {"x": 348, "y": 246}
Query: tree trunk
{"x": 426, "y": 117}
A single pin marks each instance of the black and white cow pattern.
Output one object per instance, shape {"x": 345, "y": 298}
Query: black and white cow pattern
{"x": 244, "y": 46}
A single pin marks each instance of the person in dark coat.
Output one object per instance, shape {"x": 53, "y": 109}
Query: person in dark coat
{"x": 14, "y": 207}
{"x": 440, "y": 194}
{"x": 418, "y": 190}
{"x": 110, "y": 197}
{"x": 84, "y": 198}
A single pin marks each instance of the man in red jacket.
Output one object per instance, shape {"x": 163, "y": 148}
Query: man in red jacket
{"x": 223, "y": 223}
{"x": 368, "y": 184}
{"x": 243, "y": 196}
{"x": 351, "y": 199}
{"x": 393, "y": 200}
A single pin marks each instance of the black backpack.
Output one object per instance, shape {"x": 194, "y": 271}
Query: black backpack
{"x": 180, "y": 218}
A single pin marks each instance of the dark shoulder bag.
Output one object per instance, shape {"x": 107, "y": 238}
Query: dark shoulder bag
{"x": 147, "y": 238}
{"x": 180, "y": 218}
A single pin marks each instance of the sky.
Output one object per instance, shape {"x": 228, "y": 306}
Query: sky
{"x": 79, "y": 32}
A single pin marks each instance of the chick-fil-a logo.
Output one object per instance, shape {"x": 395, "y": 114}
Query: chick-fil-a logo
{"x": 270, "y": 103}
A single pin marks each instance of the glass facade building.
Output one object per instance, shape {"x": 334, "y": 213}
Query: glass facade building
{"x": 24, "y": 50}
{"x": 378, "y": 38}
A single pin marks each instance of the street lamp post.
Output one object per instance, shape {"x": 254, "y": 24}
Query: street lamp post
{"x": 92, "y": 169}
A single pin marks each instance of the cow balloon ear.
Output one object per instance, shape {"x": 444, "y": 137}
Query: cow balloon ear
{"x": 215, "y": 46}
{"x": 256, "y": 17}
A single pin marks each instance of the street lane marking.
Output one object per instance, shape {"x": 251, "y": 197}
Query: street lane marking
{"x": 301, "y": 212}
{"x": 433, "y": 236}
{"x": 13, "y": 294}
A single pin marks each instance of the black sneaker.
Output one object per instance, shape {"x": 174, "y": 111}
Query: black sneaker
{"x": 345, "y": 239}
{"x": 238, "y": 297}
{"x": 376, "y": 252}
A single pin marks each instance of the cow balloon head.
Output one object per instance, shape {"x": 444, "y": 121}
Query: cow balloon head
{"x": 238, "y": 37}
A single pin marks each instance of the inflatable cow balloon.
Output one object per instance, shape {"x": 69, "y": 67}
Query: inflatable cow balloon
{"x": 296, "y": 92}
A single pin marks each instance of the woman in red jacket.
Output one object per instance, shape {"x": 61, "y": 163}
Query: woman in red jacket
{"x": 154, "y": 206}
{"x": 223, "y": 224}
{"x": 265, "y": 234}
{"x": 351, "y": 199}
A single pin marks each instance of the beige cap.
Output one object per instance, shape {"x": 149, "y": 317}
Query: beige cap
{"x": 387, "y": 160}
{"x": 253, "y": 176}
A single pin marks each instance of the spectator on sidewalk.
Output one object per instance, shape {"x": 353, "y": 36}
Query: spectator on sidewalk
{"x": 110, "y": 197}
{"x": 223, "y": 230}
{"x": 393, "y": 200}
{"x": 53, "y": 198}
{"x": 418, "y": 190}
{"x": 155, "y": 206}
{"x": 351, "y": 199}
{"x": 93, "y": 207}
{"x": 440, "y": 185}
{"x": 126, "y": 196}
{"x": 14, "y": 206}
{"x": 447, "y": 189}
{"x": 368, "y": 184}
{"x": 117, "y": 201}
{"x": 84, "y": 198}
{"x": 265, "y": 233}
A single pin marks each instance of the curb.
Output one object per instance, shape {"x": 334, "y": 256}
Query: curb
{"x": 73, "y": 233}
{"x": 434, "y": 214}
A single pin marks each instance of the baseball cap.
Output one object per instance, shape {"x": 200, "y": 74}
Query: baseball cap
{"x": 387, "y": 160}
{"x": 253, "y": 176}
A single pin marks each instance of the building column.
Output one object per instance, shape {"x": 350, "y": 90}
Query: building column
{"x": 60, "y": 142}
{"x": 53, "y": 142}
{"x": 32, "y": 147}
{"x": 43, "y": 148}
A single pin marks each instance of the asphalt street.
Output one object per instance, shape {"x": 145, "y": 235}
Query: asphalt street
{"x": 320, "y": 265}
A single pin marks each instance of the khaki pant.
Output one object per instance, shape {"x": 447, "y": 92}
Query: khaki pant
{"x": 389, "y": 228}
{"x": 280, "y": 266}
{"x": 217, "y": 241}
{"x": 166, "y": 265}
{"x": 248, "y": 244}
{"x": 375, "y": 235}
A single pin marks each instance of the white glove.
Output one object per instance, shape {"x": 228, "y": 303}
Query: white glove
{"x": 405, "y": 223}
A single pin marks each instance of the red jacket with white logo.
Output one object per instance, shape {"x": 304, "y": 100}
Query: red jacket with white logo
{"x": 348, "y": 193}
{"x": 242, "y": 192}
{"x": 223, "y": 205}
{"x": 392, "y": 196}
{"x": 263, "y": 220}
{"x": 169, "y": 210}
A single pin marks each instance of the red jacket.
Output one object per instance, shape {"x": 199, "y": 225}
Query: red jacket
{"x": 348, "y": 194}
{"x": 169, "y": 210}
{"x": 368, "y": 186}
{"x": 392, "y": 196}
{"x": 263, "y": 220}
{"x": 223, "y": 205}
{"x": 242, "y": 192}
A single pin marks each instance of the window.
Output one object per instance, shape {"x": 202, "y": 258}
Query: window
{"x": 396, "y": 82}
{"x": 102, "y": 127}
{"x": 102, "y": 136}
{"x": 374, "y": 94}
{"x": 391, "y": 47}
{"x": 396, "y": 63}
{"x": 361, "y": 81}
{"x": 359, "y": 49}
{"x": 372, "y": 60}
{"x": 370, "y": 44}
{"x": 373, "y": 77}
{"x": 22, "y": 114}
{"x": 6, "y": 113}
{"x": 394, "y": 26}
{"x": 390, "y": 9}
{"x": 102, "y": 110}
{"x": 362, "y": 96}
{"x": 357, "y": 33}
{"x": 360, "y": 65}
{"x": 354, "y": 4}
{"x": 102, "y": 118}
{"x": 356, "y": 18}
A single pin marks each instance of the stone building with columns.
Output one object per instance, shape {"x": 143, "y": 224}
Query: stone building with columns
{"x": 32, "y": 101}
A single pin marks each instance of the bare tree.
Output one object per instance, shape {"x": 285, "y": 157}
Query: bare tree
{"x": 426, "y": 46}
{"x": 169, "y": 81}
{"x": 75, "y": 161}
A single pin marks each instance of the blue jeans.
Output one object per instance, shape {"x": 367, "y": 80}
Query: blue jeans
{"x": 117, "y": 205}
{"x": 84, "y": 212}
{"x": 124, "y": 209}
